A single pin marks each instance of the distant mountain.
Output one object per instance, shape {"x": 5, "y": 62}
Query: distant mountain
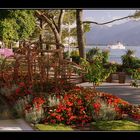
{"x": 127, "y": 33}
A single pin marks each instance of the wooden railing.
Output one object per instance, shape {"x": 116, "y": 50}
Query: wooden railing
{"x": 40, "y": 66}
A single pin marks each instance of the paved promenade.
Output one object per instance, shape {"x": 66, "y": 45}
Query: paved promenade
{"x": 124, "y": 91}
{"x": 7, "y": 121}
{"x": 14, "y": 125}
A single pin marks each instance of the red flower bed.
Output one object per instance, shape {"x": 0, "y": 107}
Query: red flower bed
{"x": 133, "y": 111}
{"x": 117, "y": 102}
{"x": 52, "y": 87}
{"x": 135, "y": 116}
{"x": 22, "y": 90}
{"x": 71, "y": 110}
{"x": 38, "y": 102}
{"x": 77, "y": 106}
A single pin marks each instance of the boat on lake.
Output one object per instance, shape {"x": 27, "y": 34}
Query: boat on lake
{"x": 118, "y": 45}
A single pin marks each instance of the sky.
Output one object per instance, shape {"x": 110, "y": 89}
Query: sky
{"x": 106, "y": 15}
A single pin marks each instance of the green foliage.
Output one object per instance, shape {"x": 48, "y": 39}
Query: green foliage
{"x": 136, "y": 74}
{"x": 34, "y": 115}
{"x": 105, "y": 54}
{"x": 5, "y": 91}
{"x": 95, "y": 72}
{"x": 93, "y": 53}
{"x": 95, "y": 65}
{"x": 26, "y": 21}
{"x": 76, "y": 59}
{"x": 53, "y": 101}
{"x": 116, "y": 125}
{"x": 87, "y": 27}
{"x": 16, "y": 25}
{"x": 107, "y": 112}
{"x": 52, "y": 127}
{"x": 136, "y": 77}
{"x": 66, "y": 54}
{"x": 8, "y": 32}
{"x": 75, "y": 53}
{"x": 2, "y": 58}
{"x": 69, "y": 17}
{"x": 75, "y": 56}
{"x": 130, "y": 62}
{"x": 136, "y": 14}
{"x": 69, "y": 21}
{"x": 127, "y": 59}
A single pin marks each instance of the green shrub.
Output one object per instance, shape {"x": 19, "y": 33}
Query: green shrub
{"x": 20, "y": 104}
{"x": 92, "y": 53}
{"x": 53, "y": 101}
{"x": 34, "y": 110}
{"x": 65, "y": 55}
{"x": 76, "y": 59}
{"x": 34, "y": 115}
{"x": 75, "y": 56}
{"x": 5, "y": 91}
{"x": 105, "y": 54}
{"x": 74, "y": 53}
{"x": 136, "y": 77}
{"x": 95, "y": 53}
{"x": 95, "y": 72}
{"x": 129, "y": 61}
{"x": 106, "y": 113}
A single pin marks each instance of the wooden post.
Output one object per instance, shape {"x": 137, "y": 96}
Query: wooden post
{"x": 29, "y": 64}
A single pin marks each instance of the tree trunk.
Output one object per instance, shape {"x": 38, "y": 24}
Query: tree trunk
{"x": 60, "y": 21}
{"x": 52, "y": 26}
{"x": 80, "y": 33}
{"x": 40, "y": 36}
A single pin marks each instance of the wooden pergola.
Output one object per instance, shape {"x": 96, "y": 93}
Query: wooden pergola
{"x": 34, "y": 65}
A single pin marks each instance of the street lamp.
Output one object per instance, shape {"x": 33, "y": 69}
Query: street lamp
{"x": 69, "y": 40}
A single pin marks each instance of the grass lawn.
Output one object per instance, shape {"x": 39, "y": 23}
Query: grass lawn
{"x": 52, "y": 127}
{"x": 116, "y": 125}
{"x": 100, "y": 125}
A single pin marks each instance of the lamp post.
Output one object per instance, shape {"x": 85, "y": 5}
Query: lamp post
{"x": 69, "y": 40}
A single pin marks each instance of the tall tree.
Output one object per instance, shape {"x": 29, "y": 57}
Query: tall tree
{"x": 62, "y": 20}
{"x": 56, "y": 28}
{"x": 64, "y": 27}
{"x": 16, "y": 25}
{"x": 80, "y": 33}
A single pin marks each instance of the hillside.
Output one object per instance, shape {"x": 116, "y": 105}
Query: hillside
{"x": 128, "y": 33}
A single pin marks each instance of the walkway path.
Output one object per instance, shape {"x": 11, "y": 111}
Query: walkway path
{"x": 7, "y": 121}
{"x": 14, "y": 125}
{"x": 124, "y": 91}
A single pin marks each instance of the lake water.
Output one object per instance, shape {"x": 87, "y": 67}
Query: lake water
{"x": 115, "y": 54}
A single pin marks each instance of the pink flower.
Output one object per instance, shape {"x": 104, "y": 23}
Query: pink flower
{"x": 27, "y": 91}
{"x": 22, "y": 84}
{"x": 17, "y": 90}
